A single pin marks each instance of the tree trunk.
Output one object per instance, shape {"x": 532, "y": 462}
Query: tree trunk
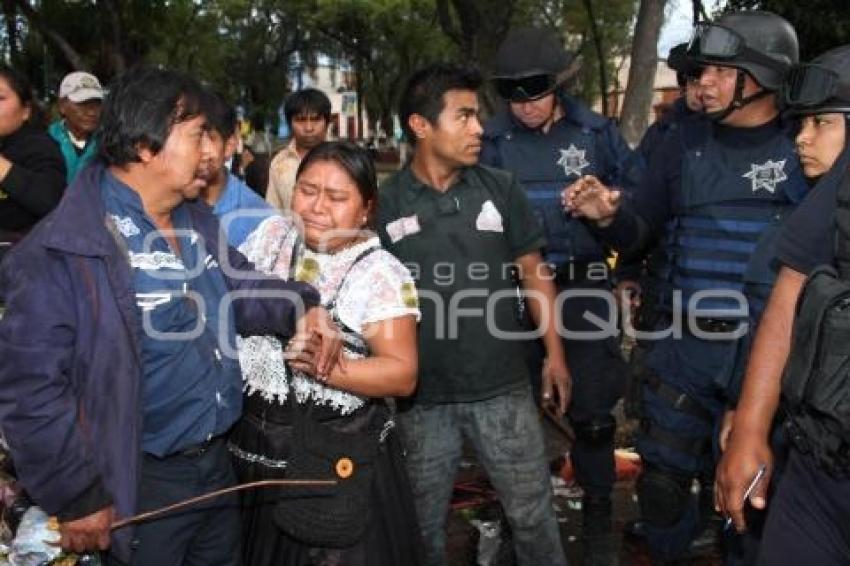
{"x": 52, "y": 36}
{"x": 600, "y": 54}
{"x": 119, "y": 61}
{"x": 644, "y": 60}
{"x": 358, "y": 89}
{"x": 10, "y": 14}
{"x": 699, "y": 12}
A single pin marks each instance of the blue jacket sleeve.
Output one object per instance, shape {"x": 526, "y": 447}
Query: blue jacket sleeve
{"x": 626, "y": 168}
{"x": 268, "y": 304}
{"x": 39, "y": 413}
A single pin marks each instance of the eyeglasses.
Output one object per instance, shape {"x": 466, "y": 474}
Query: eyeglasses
{"x": 811, "y": 85}
{"x": 526, "y": 88}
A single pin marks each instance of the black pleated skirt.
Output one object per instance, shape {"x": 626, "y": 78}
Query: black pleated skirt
{"x": 392, "y": 537}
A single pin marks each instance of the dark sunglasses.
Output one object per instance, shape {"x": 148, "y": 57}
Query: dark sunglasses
{"x": 811, "y": 85}
{"x": 525, "y": 88}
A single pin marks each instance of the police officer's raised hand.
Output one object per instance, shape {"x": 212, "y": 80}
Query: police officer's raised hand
{"x": 737, "y": 469}
{"x": 87, "y": 534}
{"x": 590, "y": 198}
{"x": 557, "y": 380}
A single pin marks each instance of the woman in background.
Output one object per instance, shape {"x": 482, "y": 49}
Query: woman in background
{"x": 32, "y": 171}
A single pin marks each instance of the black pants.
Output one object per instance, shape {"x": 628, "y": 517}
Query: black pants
{"x": 808, "y": 519}
{"x": 598, "y": 371}
{"x": 207, "y": 534}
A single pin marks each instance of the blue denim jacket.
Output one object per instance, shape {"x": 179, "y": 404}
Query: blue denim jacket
{"x": 70, "y": 371}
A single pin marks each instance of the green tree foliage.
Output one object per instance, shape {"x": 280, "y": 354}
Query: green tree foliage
{"x": 384, "y": 40}
{"x": 820, "y": 24}
{"x": 247, "y": 48}
{"x": 614, "y": 22}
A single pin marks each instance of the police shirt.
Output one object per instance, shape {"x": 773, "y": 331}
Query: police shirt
{"x": 460, "y": 246}
{"x": 658, "y": 195}
{"x": 191, "y": 391}
{"x": 808, "y": 238}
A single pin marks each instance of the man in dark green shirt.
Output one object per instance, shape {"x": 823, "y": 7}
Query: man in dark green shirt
{"x": 461, "y": 228}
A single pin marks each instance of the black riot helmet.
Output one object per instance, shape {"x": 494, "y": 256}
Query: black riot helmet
{"x": 821, "y": 86}
{"x": 530, "y": 64}
{"x": 759, "y": 43}
{"x": 685, "y": 67}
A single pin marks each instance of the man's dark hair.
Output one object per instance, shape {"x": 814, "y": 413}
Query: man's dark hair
{"x": 355, "y": 161}
{"x": 140, "y": 110}
{"x": 220, "y": 115}
{"x": 305, "y": 102}
{"x": 424, "y": 92}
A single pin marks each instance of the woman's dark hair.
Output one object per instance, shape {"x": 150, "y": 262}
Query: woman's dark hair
{"x": 356, "y": 162}
{"x": 21, "y": 86}
{"x": 424, "y": 92}
{"x": 142, "y": 107}
{"x": 307, "y": 101}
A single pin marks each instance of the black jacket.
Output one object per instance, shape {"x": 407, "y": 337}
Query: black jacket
{"x": 36, "y": 181}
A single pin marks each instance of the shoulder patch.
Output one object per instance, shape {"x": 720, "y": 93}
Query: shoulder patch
{"x": 408, "y": 295}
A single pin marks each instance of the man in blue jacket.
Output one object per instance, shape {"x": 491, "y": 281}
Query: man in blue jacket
{"x": 549, "y": 140}
{"x": 117, "y": 375}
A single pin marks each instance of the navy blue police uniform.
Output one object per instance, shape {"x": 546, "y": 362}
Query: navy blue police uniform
{"x": 580, "y": 143}
{"x": 809, "y": 511}
{"x": 715, "y": 196}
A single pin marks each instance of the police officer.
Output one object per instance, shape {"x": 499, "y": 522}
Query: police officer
{"x": 717, "y": 192}
{"x": 810, "y": 511}
{"x": 688, "y": 104}
{"x": 549, "y": 140}
{"x": 637, "y": 276}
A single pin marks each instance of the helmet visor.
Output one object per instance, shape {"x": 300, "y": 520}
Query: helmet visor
{"x": 525, "y": 88}
{"x": 810, "y": 85}
{"x": 715, "y": 42}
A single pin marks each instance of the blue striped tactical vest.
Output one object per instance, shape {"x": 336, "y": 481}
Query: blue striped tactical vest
{"x": 725, "y": 222}
{"x": 544, "y": 165}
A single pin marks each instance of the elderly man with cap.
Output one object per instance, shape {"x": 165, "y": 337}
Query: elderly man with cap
{"x": 549, "y": 141}
{"x": 80, "y": 96}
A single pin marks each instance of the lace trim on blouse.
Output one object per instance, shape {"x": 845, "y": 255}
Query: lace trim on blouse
{"x": 377, "y": 288}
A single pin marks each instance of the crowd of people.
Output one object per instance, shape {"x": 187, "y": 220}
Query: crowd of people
{"x": 334, "y": 348}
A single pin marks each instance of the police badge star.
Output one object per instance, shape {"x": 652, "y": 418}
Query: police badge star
{"x": 767, "y": 175}
{"x": 572, "y": 160}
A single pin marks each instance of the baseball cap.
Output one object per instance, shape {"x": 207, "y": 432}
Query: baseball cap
{"x": 80, "y": 86}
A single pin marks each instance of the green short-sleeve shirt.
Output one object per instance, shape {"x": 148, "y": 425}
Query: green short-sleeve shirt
{"x": 460, "y": 246}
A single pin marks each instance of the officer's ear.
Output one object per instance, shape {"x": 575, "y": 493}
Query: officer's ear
{"x": 419, "y": 125}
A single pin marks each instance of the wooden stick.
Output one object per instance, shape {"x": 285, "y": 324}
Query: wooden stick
{"x": 213, "y": 494}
